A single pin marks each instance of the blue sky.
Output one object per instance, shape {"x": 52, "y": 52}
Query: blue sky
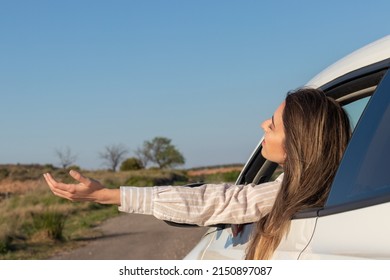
{"x": 89, "y": 74}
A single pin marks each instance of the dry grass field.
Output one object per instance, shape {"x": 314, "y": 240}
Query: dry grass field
{"x": 34, "y": 224}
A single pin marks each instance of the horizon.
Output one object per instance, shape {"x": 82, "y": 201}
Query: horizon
{"x": 217, "y": 166}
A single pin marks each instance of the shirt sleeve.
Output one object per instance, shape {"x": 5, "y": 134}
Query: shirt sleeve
{"x": 208, "y": 204}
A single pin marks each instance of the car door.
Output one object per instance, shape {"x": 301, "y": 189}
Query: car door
{"x": 354, "y": 222}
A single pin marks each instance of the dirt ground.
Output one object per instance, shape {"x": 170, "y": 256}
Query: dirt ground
{"x": 137, "y": 237}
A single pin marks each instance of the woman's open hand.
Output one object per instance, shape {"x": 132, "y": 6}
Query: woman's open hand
{"x": 86, "y": 190}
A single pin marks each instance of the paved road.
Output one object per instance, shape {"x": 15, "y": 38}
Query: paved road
{"x": 137, "y": 237}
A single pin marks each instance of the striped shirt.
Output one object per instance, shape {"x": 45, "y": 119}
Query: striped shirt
{"x": 209, "y": 204}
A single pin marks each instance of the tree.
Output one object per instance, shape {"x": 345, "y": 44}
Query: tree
{"x": 161, "y": 152}
{"x": 66, "y": 157}
{"x": 131, "y": 164}
{"x": 113, "y": 155}
{"x": 143, "y": 156}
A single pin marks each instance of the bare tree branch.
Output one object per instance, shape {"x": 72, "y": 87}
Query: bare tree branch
{"x": 66, "y": 157}
{"x": 113, "y": 155}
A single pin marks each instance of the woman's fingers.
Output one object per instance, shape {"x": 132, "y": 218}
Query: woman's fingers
{"x": 50, "y": 180}
{"x": 53, "y": 184}
{"x": 77, "y": 176}
{"x": 57, "y": 187}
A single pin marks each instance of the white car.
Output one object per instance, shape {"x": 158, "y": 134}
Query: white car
{"x": 354, "y": 223}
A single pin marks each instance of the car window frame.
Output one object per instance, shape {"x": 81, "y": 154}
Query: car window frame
{"x": 335, "y": 203}
{"x": 344, "y": 90}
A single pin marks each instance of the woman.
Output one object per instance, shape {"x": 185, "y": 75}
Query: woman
{"x": 316, "y": 133}
{"x": 307, "y": 136}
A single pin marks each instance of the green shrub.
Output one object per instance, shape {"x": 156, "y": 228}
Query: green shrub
{"x": 229, "y": 177}
{"x": 5, "y": 244}
{"x": 153, "y": 178}
{"x": 74, "y": 167}
{"x": 52, "y": 222}
{"x": 28, "y": 171}
{"x": 140, "y": 181}
{"x": 48, "y": 167}
{"x": 111, "y": 183}
{"x": 3, "y": 173}
{"x": 5, "y": 240}
{"x": 131, "y": 164}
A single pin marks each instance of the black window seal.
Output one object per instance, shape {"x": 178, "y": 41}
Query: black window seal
{"x": 342, "y": 208}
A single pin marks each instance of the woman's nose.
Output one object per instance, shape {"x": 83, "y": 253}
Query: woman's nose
{"x": 264, "y": 125}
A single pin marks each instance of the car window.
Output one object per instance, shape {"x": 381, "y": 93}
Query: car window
{"x": 364, "y": 175}
{"x": 355, "y": 110}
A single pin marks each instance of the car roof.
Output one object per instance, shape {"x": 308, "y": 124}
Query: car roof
{"x": 374, "y": 52}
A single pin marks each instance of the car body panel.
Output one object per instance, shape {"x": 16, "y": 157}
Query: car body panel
{"x": 221, "y": 244}
{"x": 328, "y": 243}
{"x": 367, "y": 55}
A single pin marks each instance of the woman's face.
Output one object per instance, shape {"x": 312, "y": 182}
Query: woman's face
{"x": 273, "y": 143}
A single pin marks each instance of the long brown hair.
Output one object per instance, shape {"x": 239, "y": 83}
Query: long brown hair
{"x": 317, "y": 131}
